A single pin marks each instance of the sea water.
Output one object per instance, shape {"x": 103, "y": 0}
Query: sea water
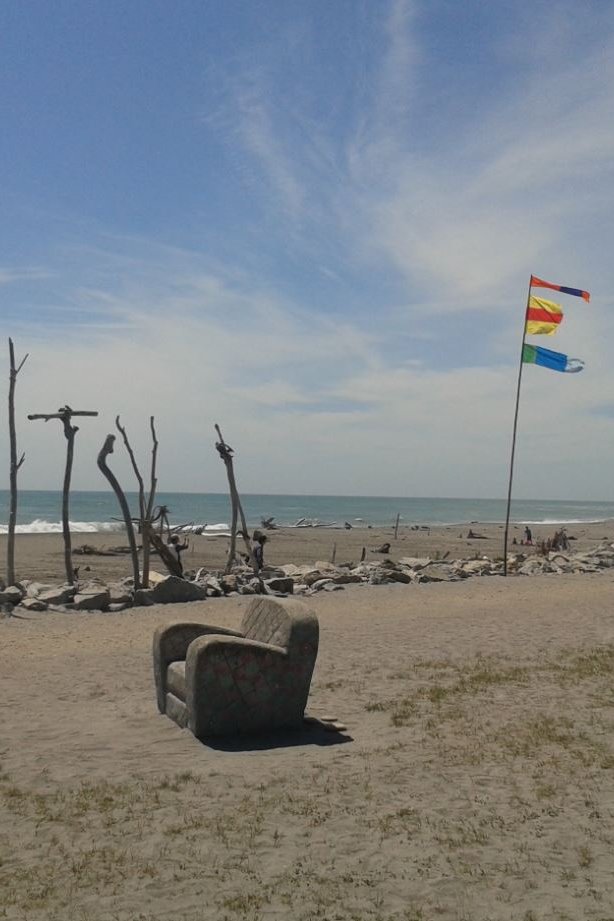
{"x": 39, "y": 511}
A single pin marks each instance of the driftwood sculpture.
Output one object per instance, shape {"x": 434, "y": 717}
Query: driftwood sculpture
{"x": 65, "y": 415}
{"x": 146, "y": 503}
{"x": 104, "y": 452}
{"x": 226, "y": 452}
{"x": 14, "y": 465}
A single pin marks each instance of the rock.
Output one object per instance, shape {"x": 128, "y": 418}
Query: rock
{"x": 319, "y": 584}
{"x": 116, "y": 607}
{"x": 175, "y": 591}
{"x": 229, "y": 583}
{"x": 322, "y": 566}
{"x": 476, "y": 567}
{"x": 534, "y": 567}
{"x": 346, "y": 578}
{"x": 33, "y": 604}
{"x": 281, "y": 586}
{"x": 247, "y": 590}
{"x": 35, "y": 588}
{"x": 333, "y": 587}
{"x": 155, "y": 577}
{"x": 143, "y": 597}
{"x": 379, "y": 577}
{"x": 11, "y": 595}
{"x": 397, "y": 575}
{"x": 415, "y": 562}
{"x": 91, "y": 600}
{"x": 312, "y": 575}
{"x": 59, "y": 595}
{"x": 212, "y": 586}
{"x": 119, "y": 594}
{"x": 436, "y": 573}
{"x": 289, "y": 569}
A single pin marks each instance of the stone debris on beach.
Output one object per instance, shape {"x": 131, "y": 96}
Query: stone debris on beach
{"x": 289, "y": 579}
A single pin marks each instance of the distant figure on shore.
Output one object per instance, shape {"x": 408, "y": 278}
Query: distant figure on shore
{"x": 177, "y": 549}
{"x": 528, "y": 537}
{"x": 258, "y": 541}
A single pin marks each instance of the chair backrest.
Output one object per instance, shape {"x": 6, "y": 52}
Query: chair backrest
{"x": 282, "y": 622}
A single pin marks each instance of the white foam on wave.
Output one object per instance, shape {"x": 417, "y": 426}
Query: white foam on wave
{"x": 206, "y": 530}
{"x": 40, "y": 526}
{"x": 553, "y": 521}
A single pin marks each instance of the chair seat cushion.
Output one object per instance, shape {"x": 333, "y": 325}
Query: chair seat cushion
{"x": 175, "y": 679}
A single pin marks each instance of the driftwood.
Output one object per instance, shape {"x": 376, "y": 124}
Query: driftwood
{"x": 65, "y": 415}
{"x": 104, "y": 452}
{"x": 14, "y": 465}
{"x": 226, "y": 452}
{"x": 145, "y": 503}
{"x": 171, "y": 562}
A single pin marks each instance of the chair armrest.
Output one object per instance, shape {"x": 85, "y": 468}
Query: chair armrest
{"x": 170, "y": 644}
{"x": 233, "y": 684}
{"x": 232, "y": 644}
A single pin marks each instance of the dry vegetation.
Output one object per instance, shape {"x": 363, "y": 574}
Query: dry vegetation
{"x": 460, "y": 814}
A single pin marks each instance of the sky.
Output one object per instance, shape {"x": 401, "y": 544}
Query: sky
{"x": 312, "y": 223}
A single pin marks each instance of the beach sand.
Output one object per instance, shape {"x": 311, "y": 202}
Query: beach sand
{"x": 41, "y": 556}
{"x": 475, "y": 779}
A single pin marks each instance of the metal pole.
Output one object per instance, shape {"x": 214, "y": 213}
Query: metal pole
{"x": 509, "y": 489}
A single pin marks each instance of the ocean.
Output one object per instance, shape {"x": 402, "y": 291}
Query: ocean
{"x": 40, "y": 511}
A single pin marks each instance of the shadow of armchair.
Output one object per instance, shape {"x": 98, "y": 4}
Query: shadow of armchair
{"x": 218, "y": 682}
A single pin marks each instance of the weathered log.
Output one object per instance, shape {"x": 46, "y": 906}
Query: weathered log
{"x": 104, "y": 452}
{"x": 226, "y": 452}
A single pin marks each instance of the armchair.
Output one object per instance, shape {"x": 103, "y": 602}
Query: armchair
{"x": 217, "y": 681}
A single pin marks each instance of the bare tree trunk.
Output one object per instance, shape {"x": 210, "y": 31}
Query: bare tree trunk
{"x": 69, "y": 431}
{"x": 147, "y": 525}
{"x": 226, "y": 452}
{"x": 65, "y": 415}
{"x": 104, "y": 452}
{"x": 14, "y": 467}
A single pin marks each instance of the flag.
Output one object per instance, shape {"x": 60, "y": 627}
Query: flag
{"x": 538, "y": 283}
{"x": 543, "y": 317}
{"x": 556, "y": 361}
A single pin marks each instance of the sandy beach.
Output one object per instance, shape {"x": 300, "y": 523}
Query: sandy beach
{"x": 41, "y": 556}
{"x": 475, "y": 779}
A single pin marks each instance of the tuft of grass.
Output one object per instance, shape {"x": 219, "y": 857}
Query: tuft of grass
{"x": 585, "y": 856}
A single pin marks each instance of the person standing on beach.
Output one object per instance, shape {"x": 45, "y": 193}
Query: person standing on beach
{"x": 176, "y": 549}
{"x": 259, "y": 540}
{"x": 528, "y": 537}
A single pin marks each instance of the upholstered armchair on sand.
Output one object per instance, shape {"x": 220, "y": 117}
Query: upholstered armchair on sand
{"x": 223, "y": 682}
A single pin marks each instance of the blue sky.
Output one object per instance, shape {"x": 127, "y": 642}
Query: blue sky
{"x": 314, "y": 223}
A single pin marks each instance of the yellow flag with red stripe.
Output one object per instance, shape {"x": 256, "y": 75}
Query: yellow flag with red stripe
{"x": 543, "y": 317}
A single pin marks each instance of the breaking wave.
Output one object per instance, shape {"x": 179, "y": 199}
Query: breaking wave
{"x": 39, "y": 526}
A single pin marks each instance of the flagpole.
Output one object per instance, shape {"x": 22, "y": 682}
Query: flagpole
{"x": 509, "y": 489}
